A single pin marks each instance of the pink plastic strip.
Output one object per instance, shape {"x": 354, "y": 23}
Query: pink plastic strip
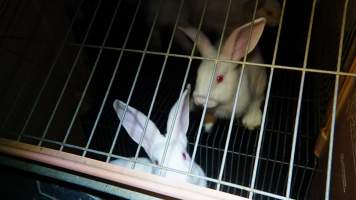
{"x": 111, "y": 172}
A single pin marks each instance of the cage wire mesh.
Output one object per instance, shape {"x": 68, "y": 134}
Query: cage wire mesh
{"x": 105, "y": 50}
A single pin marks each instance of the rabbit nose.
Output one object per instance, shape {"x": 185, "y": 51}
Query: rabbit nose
{"x": 200, "y": 101}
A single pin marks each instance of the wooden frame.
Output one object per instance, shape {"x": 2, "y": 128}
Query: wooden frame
{"x": 344, "y": 94}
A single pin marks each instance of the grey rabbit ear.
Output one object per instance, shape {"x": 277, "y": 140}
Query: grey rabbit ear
{"x": 239, "y": 41}
{"x": 134, "y": 122}
{"x": 179, "y": 117}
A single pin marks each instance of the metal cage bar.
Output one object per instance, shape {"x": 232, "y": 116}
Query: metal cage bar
{"x": 336, "y": 88}
{"x": 212, "y": 75}
{"x": 112, "y": 77}
{"x": 301, "y": 88}
{"x": 235, "y": 100}
{"x": 50, "y": 71}
{"x": 309, "y": 69}
{"x": 91, "y": 75}
{"x": 223, "y": 182}
{"x": 133, "y": 86}
{"x": 261, "y": 132}
{"x": 70, "y": 73}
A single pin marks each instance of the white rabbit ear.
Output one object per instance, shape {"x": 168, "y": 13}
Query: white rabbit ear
{"x": 134, "y": 123}
{"x": 181, "y": 122}
{"x": 235, "y": 46}
{"x": 203, "y": 44}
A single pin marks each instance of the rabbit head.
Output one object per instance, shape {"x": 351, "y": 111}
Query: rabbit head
{"x": 154, "y": 142}
{"x": 227, "y": 74}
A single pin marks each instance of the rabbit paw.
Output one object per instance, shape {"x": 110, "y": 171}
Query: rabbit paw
{"x": 252, "y": 119}
{"x": 209, "y": 122}
{"x": 208, "y": 127}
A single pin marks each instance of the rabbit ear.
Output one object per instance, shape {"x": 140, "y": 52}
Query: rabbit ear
{"x": 134, "y": 123}
{"x": 181, "y": 122}
{"x": 203, "y": 44}
{"x": 235, "y": 46}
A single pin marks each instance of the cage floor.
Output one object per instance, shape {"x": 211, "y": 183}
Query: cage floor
{"x": 276, "y": 147}
{"x": 274, "y": 160}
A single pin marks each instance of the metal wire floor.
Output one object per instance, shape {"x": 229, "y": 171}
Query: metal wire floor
{"x": 274, "y": 161}
{"x": 276, "y": 146}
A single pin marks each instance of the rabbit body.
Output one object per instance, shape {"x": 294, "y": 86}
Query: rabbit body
{"x": 251, "y": 92}
{"x": 154, "y": 143}
{"x": 227, "y": 74}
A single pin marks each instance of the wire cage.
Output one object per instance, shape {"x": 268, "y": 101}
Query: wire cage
{"x": 64, "y": 63}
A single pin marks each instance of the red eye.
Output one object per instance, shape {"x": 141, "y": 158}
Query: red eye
{"x": 220, "y": 78}
{"x": 184, "y": 156}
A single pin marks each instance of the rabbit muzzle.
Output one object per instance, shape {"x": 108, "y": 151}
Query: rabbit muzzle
{"x": 199, "y": 100}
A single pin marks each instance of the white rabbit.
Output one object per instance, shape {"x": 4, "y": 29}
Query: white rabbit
{"x": 154, "y": 142}
{"x": 224, "y": 86}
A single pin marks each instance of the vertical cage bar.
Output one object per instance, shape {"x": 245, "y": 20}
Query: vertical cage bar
{"x": 70, "y": 74}
{"x": 50, "y": 71}
{"x": 232, "y": 117}
{"x": 169, "y": 133}
{"x": 332, "y": 130}
{"x": 112, "y": 77}
{"x": 260, "y": 137}
{"x": 135, "y": 81}
{"x": 185, "y": 78}
{"x": 331, "y": 139}
{"x": 157, "y": 88}
{"x": 91, "y": 74}
{"x": 301, "y": 88}
{"x": 211, "y": 82}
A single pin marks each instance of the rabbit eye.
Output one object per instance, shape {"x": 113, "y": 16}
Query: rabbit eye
{"x": 156, "y": 162}
{"x": 220, "y": 78}
{"x": 184, "y": 156}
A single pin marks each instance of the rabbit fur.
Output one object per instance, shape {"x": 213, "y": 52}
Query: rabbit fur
{"x": 154, "y": 142}
{"x": 223, "y": 91}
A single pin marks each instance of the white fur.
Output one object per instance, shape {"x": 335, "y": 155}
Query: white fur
{"x": 154, "y": 142}
{"x": 253, "y": 82}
